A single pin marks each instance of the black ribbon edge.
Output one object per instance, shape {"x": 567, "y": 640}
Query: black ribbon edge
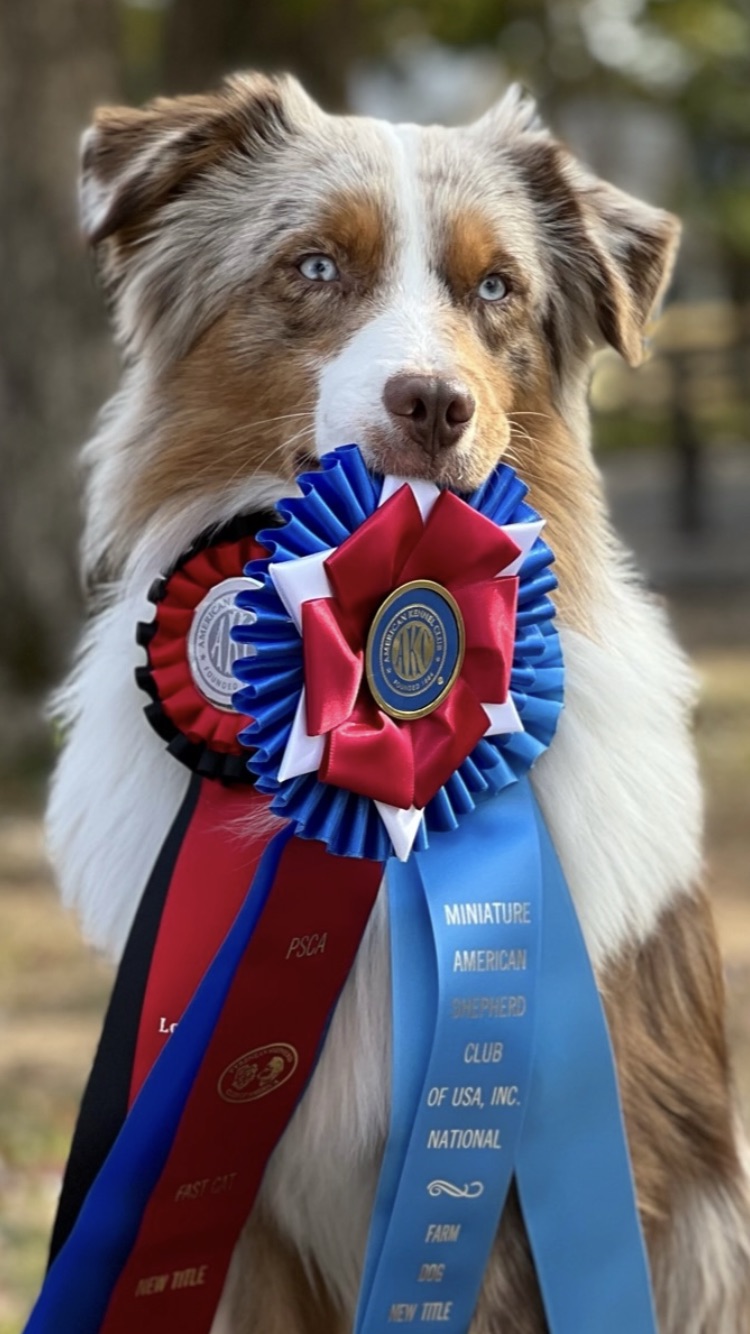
{"x": 197, "y": 756}
{"x": 104, "y": 1105}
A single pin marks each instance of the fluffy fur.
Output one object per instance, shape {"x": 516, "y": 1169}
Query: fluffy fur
{"x": 238, "y": 369}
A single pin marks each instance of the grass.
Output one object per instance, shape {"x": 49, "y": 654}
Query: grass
{"x": 52, "y": 993}
{"x": 53, "y": 990}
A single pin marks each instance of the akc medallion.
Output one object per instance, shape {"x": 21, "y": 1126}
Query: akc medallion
{"x": 258, "y": 1072}
{"x": 415, "y": 649}
{"x": 211, "y": 650}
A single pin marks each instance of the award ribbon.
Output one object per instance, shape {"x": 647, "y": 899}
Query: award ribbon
{"x": 465, "y": 959}
{"x": 383, "y": 677}
{"x": 156, "y": 1232}
{"x": 396, "y": 691}
{"x": 502, "y": 1067}
{"x": 200, "y": 877}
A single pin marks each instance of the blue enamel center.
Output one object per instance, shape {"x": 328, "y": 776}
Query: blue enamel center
{"x": 415, "y": 649}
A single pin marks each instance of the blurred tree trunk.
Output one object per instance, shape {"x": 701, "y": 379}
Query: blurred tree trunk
{"x": 56, "y": 61}
{"x": 317, "y": 42}
{"x": 737, "y": 269}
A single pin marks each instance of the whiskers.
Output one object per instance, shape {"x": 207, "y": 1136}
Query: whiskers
{"x": 517, "y": 413}
{"x": 241, "y": 458}
{"x": 285, "y": 448}
{"x": 521, "y": 439}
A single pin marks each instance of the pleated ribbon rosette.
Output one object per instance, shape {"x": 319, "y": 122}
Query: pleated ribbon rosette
{"x": 366, "y": 779}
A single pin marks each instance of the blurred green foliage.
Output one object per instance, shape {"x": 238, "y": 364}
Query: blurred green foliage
{"x": 690, "y": 56}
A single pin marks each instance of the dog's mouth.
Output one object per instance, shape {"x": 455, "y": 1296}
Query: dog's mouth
{"x": 458, "y": 469}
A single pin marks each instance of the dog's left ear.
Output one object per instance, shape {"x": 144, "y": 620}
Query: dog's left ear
{"x": 609, "y": 255}
{"x": 627, "y": 254}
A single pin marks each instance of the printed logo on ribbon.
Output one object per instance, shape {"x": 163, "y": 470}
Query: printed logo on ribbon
{"x": 212, "y": 652}
{"x": 258, "y": 1072}
{"x": 471, "y": 1190}
{"x": 415, "y": 649}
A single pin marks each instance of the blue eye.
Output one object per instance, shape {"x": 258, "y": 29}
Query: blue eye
{"x": 493, "y": 287}
{"x": 319, "y": 268}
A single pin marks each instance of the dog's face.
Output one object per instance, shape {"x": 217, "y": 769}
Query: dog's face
{"x": 284, "y": 281}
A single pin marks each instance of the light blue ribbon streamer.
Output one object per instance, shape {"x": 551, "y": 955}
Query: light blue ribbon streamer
{"x": 564, "y": 1139}
{"x": 425, "y": 1185}
{"x": 574, "y": 1174}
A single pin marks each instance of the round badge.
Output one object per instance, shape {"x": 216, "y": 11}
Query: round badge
{"x": 415, "y": 649}
{"x": 210, "y": 647}
{"x": 258, "y": 1072}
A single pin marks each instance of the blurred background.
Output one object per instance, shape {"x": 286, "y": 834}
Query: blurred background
{"x": 655, "y": 95}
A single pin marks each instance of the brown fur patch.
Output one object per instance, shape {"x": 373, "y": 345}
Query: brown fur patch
{"x": 355, "y": 226}
{"x": 665, "y": 1005}
{"x": 556, "y": 468}
{"x": 227, "y": 413}
{"x": 510, "y": 1291}
{"x": 471, "y": 251}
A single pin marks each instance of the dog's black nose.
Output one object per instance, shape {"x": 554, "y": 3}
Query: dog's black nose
{"x": 433, "y": 412}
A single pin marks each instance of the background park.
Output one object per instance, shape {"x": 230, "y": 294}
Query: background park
{"x": 655, "y": 95}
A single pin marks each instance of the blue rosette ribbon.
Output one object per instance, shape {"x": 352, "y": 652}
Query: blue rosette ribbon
{"x": 335, "y": 502}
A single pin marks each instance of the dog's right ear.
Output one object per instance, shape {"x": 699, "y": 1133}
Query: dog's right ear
{"x": 133, "y": 161}
{"x": 610, "y": 255}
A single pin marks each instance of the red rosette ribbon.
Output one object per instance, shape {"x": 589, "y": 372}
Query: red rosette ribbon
{"x": 399, "y": 761}
{"x": 191, "y": 654}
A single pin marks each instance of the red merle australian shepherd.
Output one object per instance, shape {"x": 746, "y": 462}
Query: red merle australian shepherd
{"x": 282, "y": 282}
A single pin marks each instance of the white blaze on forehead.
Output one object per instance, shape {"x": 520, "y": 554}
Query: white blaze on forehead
{"x": 404, "y": 334}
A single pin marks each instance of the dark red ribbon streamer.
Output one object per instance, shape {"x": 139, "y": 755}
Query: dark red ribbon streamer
{"x": 281, "y": 995}
{"x": 214, "y": 867}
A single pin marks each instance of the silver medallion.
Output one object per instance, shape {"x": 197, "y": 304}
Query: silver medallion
{"x": 211, "y": 650}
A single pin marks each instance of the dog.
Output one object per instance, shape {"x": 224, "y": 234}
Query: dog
{"x": 281, "y": 282}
